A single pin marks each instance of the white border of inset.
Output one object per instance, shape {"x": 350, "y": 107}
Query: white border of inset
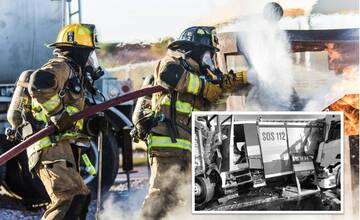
{"x": 194, "y": 114}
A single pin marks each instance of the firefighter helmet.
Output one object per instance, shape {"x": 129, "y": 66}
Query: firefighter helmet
{"x": 198, "y": 36}
{"x": 77, "y": 36}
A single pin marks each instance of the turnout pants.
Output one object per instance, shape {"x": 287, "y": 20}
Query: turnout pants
{"x": 68, "y": 193}
{"x": 169, "y": 175}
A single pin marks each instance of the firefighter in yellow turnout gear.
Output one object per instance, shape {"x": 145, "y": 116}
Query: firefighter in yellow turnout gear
{"x": 57, "y": 91}
{"x": 193, "y": 83}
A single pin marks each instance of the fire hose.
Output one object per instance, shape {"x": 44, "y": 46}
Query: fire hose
{"x": 80, "y": 115}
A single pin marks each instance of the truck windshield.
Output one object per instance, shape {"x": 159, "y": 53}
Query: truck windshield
{"x": 334, "y": 132}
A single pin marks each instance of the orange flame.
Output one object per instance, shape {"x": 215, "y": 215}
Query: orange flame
{"x": 342, "y": 56}
{"x": 332, "y": 52}
{"x": 349, "y": 104}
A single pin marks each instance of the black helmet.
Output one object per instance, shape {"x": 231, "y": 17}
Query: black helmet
{"x": 198, "y": 36}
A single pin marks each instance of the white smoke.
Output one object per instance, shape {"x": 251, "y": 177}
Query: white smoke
{"x": 122, "y": 206}
{"x": 267, "y": 49}
{"x": 336, "y": 87}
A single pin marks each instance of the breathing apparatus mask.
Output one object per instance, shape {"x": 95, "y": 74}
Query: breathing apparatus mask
{"x": 213, "y": 73}
{"x": 93, "y": 72}
{"x": 93, "y": 68}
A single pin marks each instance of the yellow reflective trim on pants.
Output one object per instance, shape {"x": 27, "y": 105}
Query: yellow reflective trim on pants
{"x": 194, "y": 84}
{"x": 165, "y": 142}
{"x": 52, "y": 103}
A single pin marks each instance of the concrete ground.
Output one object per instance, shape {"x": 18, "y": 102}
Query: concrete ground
{"x": 119, "y": 202}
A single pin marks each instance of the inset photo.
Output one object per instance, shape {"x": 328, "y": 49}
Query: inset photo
{"x": 277, "y": 162}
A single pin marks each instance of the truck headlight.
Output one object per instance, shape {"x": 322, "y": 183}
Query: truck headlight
{"x": 114, "y": 92}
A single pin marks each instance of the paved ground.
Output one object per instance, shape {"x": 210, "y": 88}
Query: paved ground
{"x": 119, "y": 202}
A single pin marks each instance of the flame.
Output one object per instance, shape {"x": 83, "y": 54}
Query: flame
{"x": 349, "y": 105}
{"x": 348, "y": 71}
{"x": 341, "y": 57}
{"x": 293, "y": 12}
{"x": 333, "y": 53}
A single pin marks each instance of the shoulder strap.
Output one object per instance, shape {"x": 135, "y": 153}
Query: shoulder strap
{"x": 22, "y": 84}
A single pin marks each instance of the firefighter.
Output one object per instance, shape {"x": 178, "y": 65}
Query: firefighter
{"x": 193, "y": 83}
{"x": 56, "y": 92}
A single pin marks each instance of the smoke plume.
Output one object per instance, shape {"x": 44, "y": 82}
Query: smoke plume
{"x": 336, "y": 87}
{"x": 267, "y": 50}
{"x": 123, "y": 206}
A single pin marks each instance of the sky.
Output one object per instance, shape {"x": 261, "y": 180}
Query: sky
{"x": 149, "y": 20}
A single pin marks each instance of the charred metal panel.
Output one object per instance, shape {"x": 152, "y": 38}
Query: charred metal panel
{"x": 324, "y": 36}
{"x": 301, "y": 40}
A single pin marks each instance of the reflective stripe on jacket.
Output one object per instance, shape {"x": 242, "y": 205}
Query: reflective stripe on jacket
{"x": 181, "y": 107}
{"x": 188, "y": 98}
{"x": 46, "y": 141}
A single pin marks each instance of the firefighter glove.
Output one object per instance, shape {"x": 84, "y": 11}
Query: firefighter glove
{"x": 10, "y": 134}
{"x": 212, "y": 92}
{"x": 232, "y": 80}
{"x": 62, "y": 121}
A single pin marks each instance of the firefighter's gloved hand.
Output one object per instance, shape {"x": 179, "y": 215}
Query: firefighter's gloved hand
{"x": 212, "y": 92}
{"x": 228, "y": 83}
{"x": 62, "y": 121}
{"x": 10, "y": 134}
{"x": 232, "y": 80}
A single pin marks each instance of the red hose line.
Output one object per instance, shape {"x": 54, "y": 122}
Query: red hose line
{"x": 14, "y": 151}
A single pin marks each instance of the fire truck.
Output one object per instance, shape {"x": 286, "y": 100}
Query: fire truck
{"x": 232, "y": 155}
{"x": 39, "y": 23}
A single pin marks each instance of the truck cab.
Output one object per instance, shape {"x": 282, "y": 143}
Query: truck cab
{"x": 328, "y": 158}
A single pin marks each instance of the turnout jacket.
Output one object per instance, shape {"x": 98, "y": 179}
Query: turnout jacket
{"x": 55, "y": 87}
{"x": 185, "y": 94}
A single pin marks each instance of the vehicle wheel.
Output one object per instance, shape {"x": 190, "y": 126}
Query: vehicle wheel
{"x": 110, "y": 166}
{"x": 203, "y": 189}
{"x": 19, "y": 182}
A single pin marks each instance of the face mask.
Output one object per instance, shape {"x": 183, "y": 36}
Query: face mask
{"x": 207, "y": 61}
{"x": 214, "y": 73}
{"x": 93, "y": 67}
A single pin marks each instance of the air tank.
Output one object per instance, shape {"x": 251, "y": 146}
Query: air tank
{"x": 19, "y": 101}
{"x": 25, "y": 26}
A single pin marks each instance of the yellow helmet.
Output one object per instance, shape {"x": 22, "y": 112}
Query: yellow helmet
{"x": 76, "y": 35}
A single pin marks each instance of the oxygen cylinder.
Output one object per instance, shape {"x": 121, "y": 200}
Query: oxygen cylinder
{"x": 143, "y": 102}
{"x": 19, "y": 101}
{"x": 143, "y": 118}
